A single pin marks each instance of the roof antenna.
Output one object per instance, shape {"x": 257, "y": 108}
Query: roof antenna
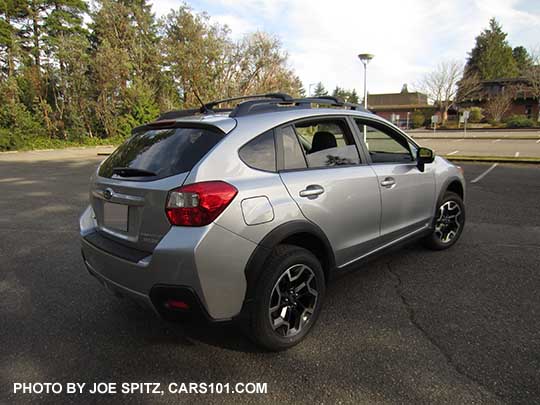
{"x": 204, "y": 109}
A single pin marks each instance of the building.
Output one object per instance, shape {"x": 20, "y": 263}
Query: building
{"x": 399, "y": 107}
{"x": 520, "y": 100}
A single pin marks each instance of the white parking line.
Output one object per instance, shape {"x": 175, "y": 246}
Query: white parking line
{"x": 538, "y": 141}
{"x": 454, "y": 152}
{"x": 496, "y": 140}
{"x": 517, "y": 154}
{"x": 476, "y": 180}
{"x": 459, "y": 140}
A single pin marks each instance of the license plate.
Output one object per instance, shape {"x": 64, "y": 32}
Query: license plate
{"x": 115, "y": 216}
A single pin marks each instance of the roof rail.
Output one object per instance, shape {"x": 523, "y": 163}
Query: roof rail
{"x": 260, "y": 106}
{"x": 259, "y": 103}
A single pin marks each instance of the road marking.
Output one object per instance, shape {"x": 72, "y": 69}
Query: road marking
{"x": 496, "y": 140}
{"x": 454, "y": 152}
{"x": 538, "y": 141}
{"x": 517, "y": 154}
{"x": 484, "y": 174}
{"x": 459, "y": 140}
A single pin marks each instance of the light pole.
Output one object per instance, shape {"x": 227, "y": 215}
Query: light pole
{"x": 365, "y": 58}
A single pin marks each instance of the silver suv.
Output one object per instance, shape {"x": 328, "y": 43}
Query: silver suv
{"x": 246, "y": 213}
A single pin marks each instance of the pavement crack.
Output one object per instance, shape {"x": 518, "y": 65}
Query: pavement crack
{"x": 398, "y": 286}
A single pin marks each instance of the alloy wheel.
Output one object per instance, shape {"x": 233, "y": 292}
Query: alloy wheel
{"x": 448, "y": 223}
{"x": 293, "y": 300}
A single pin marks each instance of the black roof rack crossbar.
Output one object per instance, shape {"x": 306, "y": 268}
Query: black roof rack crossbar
{"x": 280, "y": 96}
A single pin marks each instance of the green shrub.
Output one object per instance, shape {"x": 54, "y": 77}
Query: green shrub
{"x": 418, "y": 119}
{"x": 519, "y": 121}
{"x": 475, "y": 114}
{"x": 17, "y": 126}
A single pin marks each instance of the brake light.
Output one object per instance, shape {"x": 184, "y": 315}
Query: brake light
{"x": 198, "y": 204}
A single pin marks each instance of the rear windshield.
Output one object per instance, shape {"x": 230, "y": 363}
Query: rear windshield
{"x": 158, "y": 153}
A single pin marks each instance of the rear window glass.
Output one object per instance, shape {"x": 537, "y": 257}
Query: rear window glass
{"x": 159, "y": 153}
{"x": 260, "y": 153}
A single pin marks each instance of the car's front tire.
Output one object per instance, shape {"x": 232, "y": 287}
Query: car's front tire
{"x": 448, "y": 223}
{"x": 288, "y": 299}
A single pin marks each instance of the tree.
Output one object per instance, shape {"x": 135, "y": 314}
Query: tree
{"x": 71, "y": 73}
{"x": 441, "y": 85}
{"x": 319, "y": 90}
{"x": 532, "y": 75}
{"x": 523, "y": 60}
{"x": 349, "y": 96}
{"x": 492, "y": 56}
{"x": 12, "y": 14}
{"x": 498, "y": 104}
{"x": 263, "y": 67}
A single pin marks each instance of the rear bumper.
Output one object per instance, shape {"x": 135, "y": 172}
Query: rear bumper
{"x": 205, "y": 265}
{"x": 157, "y": 300}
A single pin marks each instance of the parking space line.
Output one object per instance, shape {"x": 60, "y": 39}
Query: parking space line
{"x": 476, "y": 180}
{"x": 454, "y": 152}
{"x": 517, "y": 154}
{"x": 496, "y": 140}
{"x": 538, "y": 141}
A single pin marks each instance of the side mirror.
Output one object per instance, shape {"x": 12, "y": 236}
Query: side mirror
{"x": 423, "y": 157}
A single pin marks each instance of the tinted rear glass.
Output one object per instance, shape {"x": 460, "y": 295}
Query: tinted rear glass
{"x": 260, "y": 153}
{"x": 164, "y": 152}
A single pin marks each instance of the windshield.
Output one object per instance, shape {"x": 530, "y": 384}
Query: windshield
{"x": 161, "y": 152}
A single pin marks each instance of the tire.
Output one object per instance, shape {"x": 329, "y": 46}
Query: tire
{"x": 448, "y": 223}
{"x": 275, "y": 305}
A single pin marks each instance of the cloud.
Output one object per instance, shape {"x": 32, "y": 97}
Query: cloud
{"x": 408, "y": 37}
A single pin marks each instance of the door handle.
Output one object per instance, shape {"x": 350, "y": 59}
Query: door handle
{"x": 389, "y": 182}
{"x": 312, "y": 191}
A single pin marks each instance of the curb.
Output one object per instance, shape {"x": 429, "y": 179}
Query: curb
{"x": 59, "y": 149}
{"x": 494, "y": 159}
{"x": 475, "y": 137}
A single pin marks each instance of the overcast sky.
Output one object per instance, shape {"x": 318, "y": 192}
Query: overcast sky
{"x": 408, "y": 37}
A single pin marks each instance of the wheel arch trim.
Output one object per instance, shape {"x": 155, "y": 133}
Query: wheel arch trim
{"x": 255, "y": 264}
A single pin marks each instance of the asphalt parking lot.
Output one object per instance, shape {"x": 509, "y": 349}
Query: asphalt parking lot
{"x": 415, "y": 326}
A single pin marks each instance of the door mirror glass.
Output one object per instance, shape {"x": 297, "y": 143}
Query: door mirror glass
{"x": 424, "y": 156}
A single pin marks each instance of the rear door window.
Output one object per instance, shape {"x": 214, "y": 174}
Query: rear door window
{"x": 293, "y": 157}
{"x": 327, "y": 143}
{"x": 156, "y": 153}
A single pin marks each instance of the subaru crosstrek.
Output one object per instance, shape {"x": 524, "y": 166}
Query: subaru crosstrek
{"x": 246, "y": 213}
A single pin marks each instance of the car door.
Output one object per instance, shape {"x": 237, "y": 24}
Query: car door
{"x": 407, "y": 194}
{"x": 323, "y": 171}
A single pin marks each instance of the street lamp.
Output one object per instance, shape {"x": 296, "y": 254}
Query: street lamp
{"x": 365, "y": 58}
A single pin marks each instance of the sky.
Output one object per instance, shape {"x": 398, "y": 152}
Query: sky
{"x": 408, "y": 37}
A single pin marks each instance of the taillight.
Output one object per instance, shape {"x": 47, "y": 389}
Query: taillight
{"x": 198, "y": 204}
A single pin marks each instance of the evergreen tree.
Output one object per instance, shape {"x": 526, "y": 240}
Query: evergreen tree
{"x": 12, "y": 13}
{"x": 492, "y": 57}
{"x": 319, "y": 90}
{"x": 523, "y": 60}
{"x": 349, "y": 96}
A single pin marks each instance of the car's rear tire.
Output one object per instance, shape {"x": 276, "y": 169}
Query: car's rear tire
{"x": 448, "y": 223}
{"x": 288, "y": 298}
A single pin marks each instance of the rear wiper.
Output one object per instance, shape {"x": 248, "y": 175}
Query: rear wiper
{"x": 132, "y": 172}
